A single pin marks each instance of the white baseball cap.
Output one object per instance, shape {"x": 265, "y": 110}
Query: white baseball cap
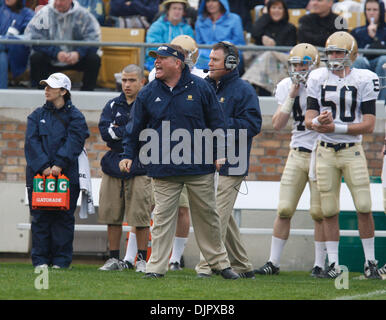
{"x": 57, "y": 80}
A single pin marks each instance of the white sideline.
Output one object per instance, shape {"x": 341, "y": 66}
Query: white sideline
{"x": 364, "y": 295}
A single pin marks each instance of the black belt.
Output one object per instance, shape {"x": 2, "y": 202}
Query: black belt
{"x": 337, "y": 146}
{"x": 301, "y": 149}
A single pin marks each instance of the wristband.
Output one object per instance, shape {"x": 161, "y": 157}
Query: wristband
{"x": 286, "y": 107}
{"x": 316, "y": 121}
{"x": 341, "y": 128}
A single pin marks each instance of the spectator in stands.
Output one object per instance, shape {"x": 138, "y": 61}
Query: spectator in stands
{"x": 271, "y": 29}
{"x": 96, "y": 7}
{"x": 168, "y": 26}
{"x": 64, "y": 20}
{"x": 133, "y": 14}
{"x": 55, "y": 137}
{"x": 14, "y": 17}
{"x": 372, "y": 36}
{"x": 216, "y": 23}
{"x": 316, "y": 27}
{"x": 243, "y": 9}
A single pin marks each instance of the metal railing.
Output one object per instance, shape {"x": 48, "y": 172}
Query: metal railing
{"x": 142, "y": 46}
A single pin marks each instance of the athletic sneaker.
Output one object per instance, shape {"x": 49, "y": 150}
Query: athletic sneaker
{"x": 42, "y": 266}
{"x": 382, "y": 270}
{"x": 247, "y": 275}
{"x": 268, "y": 269}
{"x": 317, "y": 272}
{"x": 331, "y": 272}
{"x": 174, "y": 266}
{"x": 371, "y": 270}
{"x": 129, "y": 265}
{"x": 56, "y": 267}
{"x": 140, "y": 266}
{"x": 114, "y": 264}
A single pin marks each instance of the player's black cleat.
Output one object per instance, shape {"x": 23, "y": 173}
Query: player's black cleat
{"x": 371, "y": 270}
{"x": 331, "y": 272}
{"x": 268, "y": 269}
{"x": 317, "y": 272}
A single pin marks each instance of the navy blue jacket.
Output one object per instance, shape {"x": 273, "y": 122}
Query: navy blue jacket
{"x": 192, "y": 104}
{"x": 365, "y": 41}
{"x": 116, "y": 112}
{"x": 55, "y": 140}
{"x": 241, "y": 109}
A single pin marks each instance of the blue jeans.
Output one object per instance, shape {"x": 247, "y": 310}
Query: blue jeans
{"x": 375, "y": 65}
{"x": 3, "y": 67}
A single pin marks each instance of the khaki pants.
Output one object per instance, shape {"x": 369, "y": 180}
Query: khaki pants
{"x": 205, "y": 220}
{"x": 227, "y": 191}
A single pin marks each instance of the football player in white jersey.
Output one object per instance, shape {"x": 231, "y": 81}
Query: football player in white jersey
{"x": 341, "y": 107}
{"x": 292, "y": 100}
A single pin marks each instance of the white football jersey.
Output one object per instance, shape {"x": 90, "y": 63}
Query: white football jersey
{"x": 301, "y": 136}
{"x": 343, "y": 97}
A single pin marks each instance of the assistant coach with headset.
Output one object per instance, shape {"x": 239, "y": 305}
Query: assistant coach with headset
{"x": 186, "y": 103}
{"x": 241, "y": 109}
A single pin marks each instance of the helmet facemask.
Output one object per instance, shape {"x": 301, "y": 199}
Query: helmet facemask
{"x": 335, "y": 64}
{"x": 301, "y": 76}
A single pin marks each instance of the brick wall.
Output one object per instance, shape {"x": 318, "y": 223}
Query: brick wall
{"x": 268, "y": 155}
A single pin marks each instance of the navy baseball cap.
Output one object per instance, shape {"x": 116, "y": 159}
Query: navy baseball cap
{"x": 167, "y": 51}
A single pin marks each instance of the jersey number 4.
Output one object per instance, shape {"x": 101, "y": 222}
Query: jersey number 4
{"x": 297, "y": 114}
{"x": 342, "y": 102}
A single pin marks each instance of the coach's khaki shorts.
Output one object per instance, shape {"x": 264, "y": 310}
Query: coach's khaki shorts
{"x": 183, "y": 201}
{"x": 119, "y": 198}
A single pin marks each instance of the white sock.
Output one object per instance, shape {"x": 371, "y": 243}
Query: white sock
{"x": 131, "y": 250}
{"x": 277, "y": 246}
{"x": 178, "y": 249}
{"x": 320, "y": 254}
{"x": 368, "y": 248}
{"x": 333, "y": 252}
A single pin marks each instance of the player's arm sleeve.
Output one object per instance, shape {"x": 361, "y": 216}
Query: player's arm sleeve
{"x": 312, "y": 94}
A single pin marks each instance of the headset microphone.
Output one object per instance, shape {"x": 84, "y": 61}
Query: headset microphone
{"x": 207, "y": 70}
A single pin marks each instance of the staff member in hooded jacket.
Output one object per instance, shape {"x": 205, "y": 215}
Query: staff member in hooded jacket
{"x": 56, "y": 133}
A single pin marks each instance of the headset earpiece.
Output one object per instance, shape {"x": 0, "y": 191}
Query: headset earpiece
{"x": 230, "y": 61}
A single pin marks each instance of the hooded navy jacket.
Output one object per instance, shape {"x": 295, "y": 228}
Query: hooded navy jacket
{"x": 192, "y": 104}
{"x": 241, "y": 109}
{"x": 112, "y": 126}
{"x": 365, "y": 41}
{"x": 55, "y": 137}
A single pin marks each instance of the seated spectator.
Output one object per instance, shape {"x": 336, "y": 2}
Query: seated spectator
{"x": 243, "y": 9}
{"x": 316, "y": 27}
{"x": 372, "y": 36}
{"x": 272, "y": 29}
{"x": 14, "y": 17}
{"x": 133, "y": 14}
{"x": 168, "y": 26}
{"x": 96, "y": 7}
{"x": 216, "y": 23}
{"x": 64, "y": 20}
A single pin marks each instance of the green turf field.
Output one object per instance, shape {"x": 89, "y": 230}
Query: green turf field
{"x": 17, "y": 281}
